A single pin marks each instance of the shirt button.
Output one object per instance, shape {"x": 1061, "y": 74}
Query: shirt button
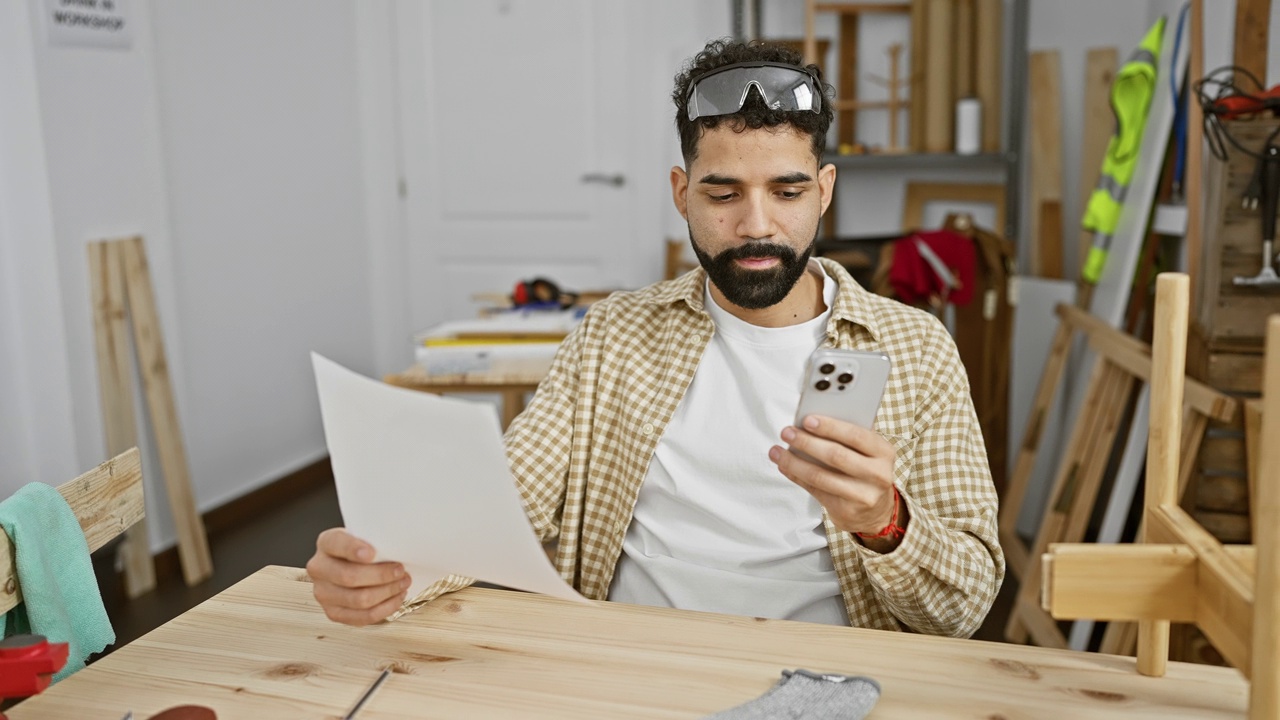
{"x": 695, "y": 338}
{"x": 647, "y": 430}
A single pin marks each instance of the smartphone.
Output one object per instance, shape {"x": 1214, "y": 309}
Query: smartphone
{"x": 843, "y": 384}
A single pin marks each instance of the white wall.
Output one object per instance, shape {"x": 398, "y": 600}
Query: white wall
{"x": 254, "y": 146}
{"x": 37, "y": 433}
{"x": 262, "y": 154}
{"x": 230, "y": 140}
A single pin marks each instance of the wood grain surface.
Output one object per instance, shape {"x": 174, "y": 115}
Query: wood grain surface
{"x": 262, "y": 649}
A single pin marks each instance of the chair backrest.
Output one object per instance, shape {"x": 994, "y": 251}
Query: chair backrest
{"x": 106, "y": 500}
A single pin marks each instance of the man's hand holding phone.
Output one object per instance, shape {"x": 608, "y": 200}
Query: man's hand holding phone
{"x": 853, "y": 478}
{"x": 834, "y": 453}
{"x": 349, "y": 585}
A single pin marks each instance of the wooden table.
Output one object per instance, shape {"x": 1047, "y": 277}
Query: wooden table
{"x": 263, "y": 649}
{"x": 512, "y": 383}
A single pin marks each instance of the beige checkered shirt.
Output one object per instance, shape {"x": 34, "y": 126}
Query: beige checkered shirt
{"x": 581, "y": 450}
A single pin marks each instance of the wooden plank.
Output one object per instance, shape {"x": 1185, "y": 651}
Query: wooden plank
{"x": 989, "y": 70}
{"x": 1052, "y": 263}
{"x": 1135, "y": 356}
{"x": 1082, "y": 445}
{"x": 1099, "y": 124}
{"x": 964, "y": 39}
{"x": 1264, "y": 696}
{"x": 810, "y": 41}
{"x": 115, "y": 387}
{"x": 939, "y": 108}
{"x": 1024, "y": 466}
{"x": 919, "y": 194}
{"x": 193, "y": 545}
{"x": 105, "y": 500}
{"x": 1253, "y": 23}
{"x": 1164, "y": 439}
{"x": 917, "y": 71}
{"x": 1120, "y": 582}
{"x": 1194, "y": 169}
{"x": 901, "y": 8}
{"x": 847, "y": 119}
{"x": 1045, "y": 105}
{"x": 1225, "y": 592}
{"x": 1253, "y": 457}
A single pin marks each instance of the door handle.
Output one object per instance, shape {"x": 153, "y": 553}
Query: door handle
{"x": 603, "y": 179}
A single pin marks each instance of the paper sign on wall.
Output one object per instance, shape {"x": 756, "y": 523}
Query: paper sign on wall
{"x": 89, "y": 23}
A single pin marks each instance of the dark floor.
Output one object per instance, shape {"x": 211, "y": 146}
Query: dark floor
{"x": 287, "y": 537}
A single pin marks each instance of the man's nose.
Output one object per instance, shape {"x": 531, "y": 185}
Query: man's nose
{"x": 756, "y": 221}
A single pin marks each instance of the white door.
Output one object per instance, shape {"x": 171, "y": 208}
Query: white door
{"x": 519, "y": 150}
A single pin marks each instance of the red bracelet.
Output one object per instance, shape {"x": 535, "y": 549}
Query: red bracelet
{"x": 891, "y": 530}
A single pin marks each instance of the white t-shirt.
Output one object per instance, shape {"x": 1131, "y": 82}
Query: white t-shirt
{"x": 716, "y": 526}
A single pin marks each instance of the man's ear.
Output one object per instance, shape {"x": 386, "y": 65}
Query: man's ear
{"x": 827, "y": 183}
{"x": 680, "y": 188}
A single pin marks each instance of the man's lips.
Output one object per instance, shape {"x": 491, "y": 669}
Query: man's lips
{"x": 758, "y": 263}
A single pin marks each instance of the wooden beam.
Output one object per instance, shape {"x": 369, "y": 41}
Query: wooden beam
{"x": 1253, "y": 23}
{"x": 963, "y": 37}
{"x": 847, "y": 89}
{"x": 1135, "y": 356}
{"x": 916, "y": 101}
{"x": 939, "y": 110}
{"x": 1011, "y": 504}
{"x": 1225, "y": 593}
{"x": 1120, "y": 582}
{"x": 988, "y": 70}
{"x": 105, "y": 500}
{"x": 1194, "y": 169}
{"x": 903, "y": 8}
{"x": 1045, "y": 100}
{"x": 1164, "y": 439}
{"x": 193, "y": 545}
{"x": 1099, "y": 124}
{"x": 115, "y": 388}
{"x": 1264, "y": 697}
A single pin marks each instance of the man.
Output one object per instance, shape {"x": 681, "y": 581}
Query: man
{"x": 648, "y": 454}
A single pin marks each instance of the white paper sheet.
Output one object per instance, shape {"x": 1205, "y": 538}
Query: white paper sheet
{"x": 425, "y": 480}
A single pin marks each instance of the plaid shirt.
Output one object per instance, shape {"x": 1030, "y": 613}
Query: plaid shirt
{"x": 581, "y": 450}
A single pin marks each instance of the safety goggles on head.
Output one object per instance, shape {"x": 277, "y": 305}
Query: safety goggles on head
{"x": 723, "y": 91}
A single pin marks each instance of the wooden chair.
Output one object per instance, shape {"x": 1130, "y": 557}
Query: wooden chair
{"x": 1179, "y": 572}
{"x": 106, "y": 500}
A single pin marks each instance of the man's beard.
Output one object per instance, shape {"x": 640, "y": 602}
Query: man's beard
{"x": 754, "y": 289}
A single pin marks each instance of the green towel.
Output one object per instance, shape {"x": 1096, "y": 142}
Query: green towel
{"x": 60, "y": 597}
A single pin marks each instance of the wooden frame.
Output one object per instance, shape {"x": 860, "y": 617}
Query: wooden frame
{"x": 919, "y": 194}
{"x": 123, "y": 295}
{"x": 1184, "y": 574}
{"x": 106, "y": 500}
{"x": 1121, "y": 363}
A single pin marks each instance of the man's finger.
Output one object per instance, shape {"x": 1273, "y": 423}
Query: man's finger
{"x": 341, "y": 544}
{"x": 360, "y": 618}
{"x": 326, "y": 568}
{"x": 855, "y": 437}
{"x": 363, "y": 598}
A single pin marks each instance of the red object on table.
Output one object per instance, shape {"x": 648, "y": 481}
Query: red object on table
{"x": 27, "y": 664}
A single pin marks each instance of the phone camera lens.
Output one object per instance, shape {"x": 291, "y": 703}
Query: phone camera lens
{"x": 822, "y": 385}
{"x": 827, "y": 368}
{"x": 845, "y": 378}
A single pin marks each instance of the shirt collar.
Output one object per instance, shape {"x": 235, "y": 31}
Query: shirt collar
{"x": 852, "y": 304}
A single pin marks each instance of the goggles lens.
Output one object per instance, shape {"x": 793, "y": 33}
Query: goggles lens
{"x": 723, "y": 91}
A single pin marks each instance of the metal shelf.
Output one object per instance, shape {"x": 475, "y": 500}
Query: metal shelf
{"x": 920, "y": 161}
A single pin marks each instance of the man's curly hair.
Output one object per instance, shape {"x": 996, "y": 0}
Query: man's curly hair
{"x": 754, "y": 113}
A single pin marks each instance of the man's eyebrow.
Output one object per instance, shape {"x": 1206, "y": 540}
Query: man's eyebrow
{"x": 794, "y": 178}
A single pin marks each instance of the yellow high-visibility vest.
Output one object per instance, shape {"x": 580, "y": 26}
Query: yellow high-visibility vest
{"x": 1131, "y": 93}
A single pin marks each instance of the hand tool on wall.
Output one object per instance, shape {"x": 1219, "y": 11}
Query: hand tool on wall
{"x": 1269, "y": 186}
